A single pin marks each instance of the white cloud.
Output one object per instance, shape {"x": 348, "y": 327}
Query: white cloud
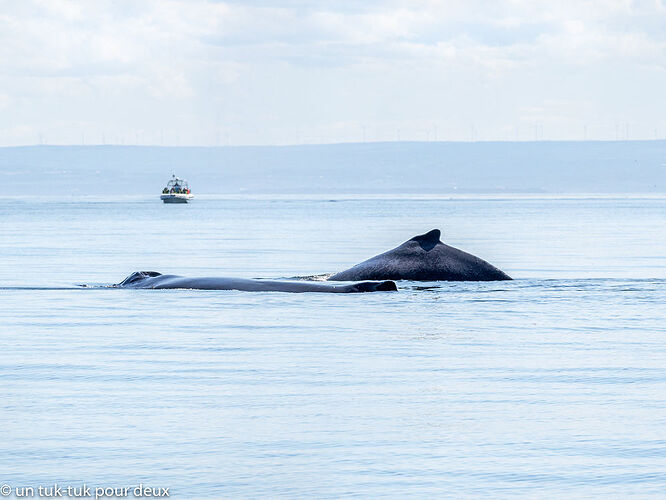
{"x": 263, "y": 72}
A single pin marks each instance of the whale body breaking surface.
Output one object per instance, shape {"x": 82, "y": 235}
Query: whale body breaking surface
{"x": 423, "y": 258}
{"x": 155, "y": 280}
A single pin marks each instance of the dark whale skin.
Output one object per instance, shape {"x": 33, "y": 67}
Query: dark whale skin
{"x": 155, "y": 280}
{"x": 423, "y": 258}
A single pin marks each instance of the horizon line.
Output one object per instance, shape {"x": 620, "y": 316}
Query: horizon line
{"x": 356, "y": 143}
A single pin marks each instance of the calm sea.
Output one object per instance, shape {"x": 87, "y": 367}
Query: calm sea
{"x": 550, "y": 385}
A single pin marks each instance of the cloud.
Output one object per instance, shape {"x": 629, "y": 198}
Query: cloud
{"x": 261, "y": 71}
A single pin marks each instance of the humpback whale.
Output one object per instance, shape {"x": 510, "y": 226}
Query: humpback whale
{"x": 152, "y": 279}
{"x": 423, "y": 258}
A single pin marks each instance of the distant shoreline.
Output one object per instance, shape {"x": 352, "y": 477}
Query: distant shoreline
{"x": 543, "y": 167}
{"x": 317, "y": 144}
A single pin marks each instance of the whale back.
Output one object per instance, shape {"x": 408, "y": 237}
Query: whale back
{"x": 423, "y": 258}
{"x": 155, "y": 280}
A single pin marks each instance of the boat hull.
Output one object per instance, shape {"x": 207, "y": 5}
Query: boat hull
{"x": 176, "y": 198}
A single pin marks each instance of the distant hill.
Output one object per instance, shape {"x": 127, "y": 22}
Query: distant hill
{"x": 392, "y": 167}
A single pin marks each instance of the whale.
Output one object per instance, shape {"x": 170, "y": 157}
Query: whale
{"x": 423, "y": 258}
{"x": 155, "y": 280}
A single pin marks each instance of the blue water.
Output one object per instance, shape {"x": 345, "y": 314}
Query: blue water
{"x": 550, "y": 385}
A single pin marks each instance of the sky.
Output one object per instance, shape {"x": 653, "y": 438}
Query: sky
{"x": 209, "y": 73}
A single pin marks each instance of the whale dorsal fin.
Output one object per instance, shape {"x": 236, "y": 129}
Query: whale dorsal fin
{"x": 429, "y": 240}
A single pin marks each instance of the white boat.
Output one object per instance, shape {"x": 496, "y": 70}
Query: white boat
{"x": 176, "y": 191}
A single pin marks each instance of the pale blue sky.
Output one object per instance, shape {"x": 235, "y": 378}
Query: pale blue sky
{"x": 262, "y": 72}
